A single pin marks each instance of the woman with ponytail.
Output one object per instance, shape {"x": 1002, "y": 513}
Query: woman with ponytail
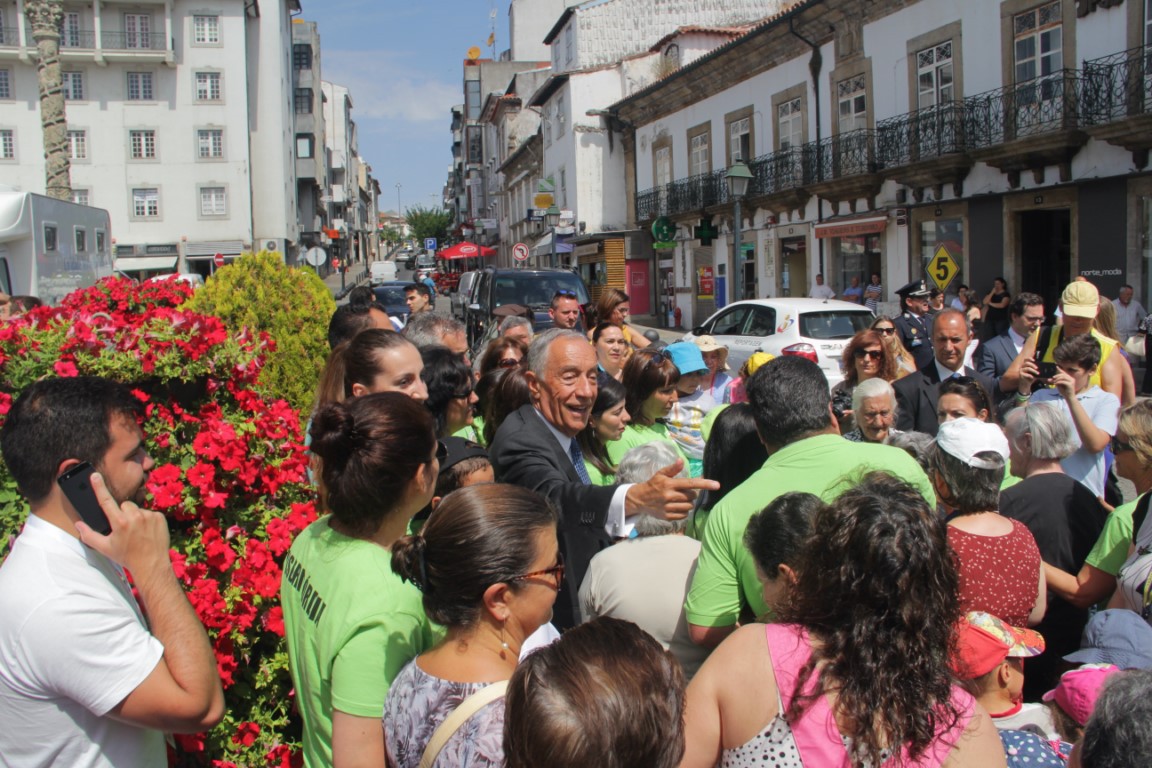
{"x": 350, "y": 622}
{"x": 489, "y": 567}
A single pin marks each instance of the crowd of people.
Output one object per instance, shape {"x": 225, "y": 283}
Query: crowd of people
{"x": 585, "y": 547}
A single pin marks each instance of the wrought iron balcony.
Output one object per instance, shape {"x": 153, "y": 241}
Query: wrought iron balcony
{"x": 921, "y": 135}
{"x": 1041, "y": 106}
{"x": 648, "y": 203}
{"x": 1116, "y": 87}
{"x": 9, "y": 36}
{"x": 78, "y": 38}
{"x": 133, "y": 41}
{"x": 846, "y": 154}
{"x": 777, "y": 172}
{"x": 694, "y": 193}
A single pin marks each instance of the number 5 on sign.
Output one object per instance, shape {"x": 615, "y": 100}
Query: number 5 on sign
{"x": 942, "y": 269}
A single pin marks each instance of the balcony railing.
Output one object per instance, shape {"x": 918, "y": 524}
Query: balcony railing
{"x": 9, "y": 36}
{"x": 778, "y": 172}
{"x": 133, "y": 41}
{"x": 921, "y": 135}
{"x": 1116, "y": 87}
{"x": 694, "y": 193}
{"x": 1018, "y": 111}
{"x": 78, "y": 38}
{"x": 846, "y": 154}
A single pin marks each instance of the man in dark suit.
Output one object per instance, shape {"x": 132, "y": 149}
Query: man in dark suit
{"x": 918, "y": 394}
{"x": 536, "y": 448}
{"x": 995, "y": 356}
{"x": 914, "y": 326}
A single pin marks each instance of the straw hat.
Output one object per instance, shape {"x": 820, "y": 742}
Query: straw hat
{"x": 709, "y": 344}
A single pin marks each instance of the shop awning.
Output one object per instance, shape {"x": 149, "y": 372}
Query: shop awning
{"x": 144, "y": 263}
{"x": 466, "y": 250}
{"x": 851, "y": 226}
{"x": 544, "y": 245}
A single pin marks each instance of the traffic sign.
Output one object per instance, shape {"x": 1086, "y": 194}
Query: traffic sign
{"x": 520, "y": 252}
{"x": 942, "y": 268}
{"x": 430, "y": 244}
{"x": 218, "y": 259}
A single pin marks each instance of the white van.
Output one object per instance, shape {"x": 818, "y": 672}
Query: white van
{"x": 381, "y": 272}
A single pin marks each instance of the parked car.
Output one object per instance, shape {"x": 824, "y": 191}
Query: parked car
{"x": 461, "y": 298}
{"x": 381, "y": 272}
{"x": 531, "y": 288}
{"x": 811, "y": 328}
{"x": 391, "y": 295}
{"x": 408, "y": 260}
{"x": 426, "y": 260}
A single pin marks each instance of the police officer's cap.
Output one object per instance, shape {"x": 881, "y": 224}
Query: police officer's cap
{"x": 914, "y": 290}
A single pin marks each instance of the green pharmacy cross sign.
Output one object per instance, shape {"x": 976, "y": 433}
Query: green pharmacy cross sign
{"x": 664, "y": 233}
{"x": 705, "y": 233}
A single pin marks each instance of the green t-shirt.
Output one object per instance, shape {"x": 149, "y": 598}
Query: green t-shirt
{"x": 351, "y": 626}
{"x": 636, "y": 434}
{"x": 1111, "y": 549}
{"x": 596, "y": 476}
{"x": 473, "y": 432}
{"x": 826, "y": 465}
{"x": 710, "y": 419}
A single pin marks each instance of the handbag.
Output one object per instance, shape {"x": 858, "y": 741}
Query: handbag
{"x": 1135, "y": 345}
{"x": 459, "y": 716}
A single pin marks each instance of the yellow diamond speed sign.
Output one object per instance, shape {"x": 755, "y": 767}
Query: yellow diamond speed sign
{"x": 942, "y": 268}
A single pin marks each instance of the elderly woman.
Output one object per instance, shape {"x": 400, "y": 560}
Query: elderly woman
{"x": 874, "y": 406}
{"x": 489, "y": 568}
{"x": 865, "y": 357}
{"x": 1000, "y": 569}
{"x": 1063, "y": 516}
{"x": 876, "y": 566}
{"x": 645, "y": 579}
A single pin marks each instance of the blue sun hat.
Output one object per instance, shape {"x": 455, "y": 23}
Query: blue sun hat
{"x": 687, "y": 357}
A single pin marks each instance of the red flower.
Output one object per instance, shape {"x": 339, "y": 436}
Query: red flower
{"x": 279, "y": 536}
{"x": 66, "y": 369}
{"x": 218, "y": 552}
{"x": 274, "y": 620}
{"x": 202, "y": 476}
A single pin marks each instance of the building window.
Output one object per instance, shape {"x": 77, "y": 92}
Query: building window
{"x": 302, "y": 56}
{"x": 78, "y": 145}
{"x": 934, "y": 75}
{"x": 210, "y": 143}
{"x": 140, "y": 86}
{"x": 302, "y": 101}
{"x": 1147, "y": 27}
{"x": 1038, "y": 42}
{"x": 472, "y": 99}
{"x": 206, "y": 30}
{"x": 662, "y": 165}
{"x": 561, "y": 115}
{"x": 213, "y": 201}
{"x": 137, "y": 31}
{"x": 568, "y": 35}
{"x": 700, "y": 154}
{"x": 81, "y": 196}
{"x": 852, "y": 100}
{"x": 475, "y": 139}
{"x": 305, "y": 146}
{"x": 80, "y": 239}
{"x": 146, "y": 203}
{"x": 563, "y": 188}
{"x": 739, "y": 140}
{"x": 7, "y": 144}
{"x": 208, "y": 86}
{"x": 5, "y": 83}
{"x": 790, "y": 123}
{"x": 143, "y": 145}
{"x": 70, "y": 36}
{"x": 73, "y": 83}
{"x": 50, "y": 237}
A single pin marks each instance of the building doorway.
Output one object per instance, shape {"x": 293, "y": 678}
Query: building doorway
{"x": 794, "y": 266}
{"x": 1045, "y": 255}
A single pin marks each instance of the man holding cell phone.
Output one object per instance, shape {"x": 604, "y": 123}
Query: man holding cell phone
{"x": 85, "y": 678}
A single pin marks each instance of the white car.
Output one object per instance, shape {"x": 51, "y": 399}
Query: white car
{"x": 816, "y": 329}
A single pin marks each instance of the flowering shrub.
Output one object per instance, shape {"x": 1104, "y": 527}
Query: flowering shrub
{"x": 230, "y": 475}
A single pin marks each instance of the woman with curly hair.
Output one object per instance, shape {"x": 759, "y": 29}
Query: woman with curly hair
{"x": 856, "y": 673}
{"x": 865, "y": 357}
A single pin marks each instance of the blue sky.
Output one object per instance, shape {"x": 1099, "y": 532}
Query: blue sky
{"x": 403, "y": 64}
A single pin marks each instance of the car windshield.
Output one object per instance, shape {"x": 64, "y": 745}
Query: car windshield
{"x": 537, "y": 290}
{"x": 389, "y": 296}
{"x": 834, "y": 324}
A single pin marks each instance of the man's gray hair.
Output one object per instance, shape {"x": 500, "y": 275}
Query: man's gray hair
{"x": 918, "y": 445}
{"x": 542, "y": 345}
{"x": 514, "y": 321}
{"x": 972, "y": 489}
{"x": 638, "y": 465}
{"x": 876, "y": 387}
{"x": 1050, "y": 427}
{"x": 1117, "y": 735}
{"x": 426, "y": 329}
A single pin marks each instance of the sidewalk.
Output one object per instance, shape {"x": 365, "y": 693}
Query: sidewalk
{"x": 354, "y": 276}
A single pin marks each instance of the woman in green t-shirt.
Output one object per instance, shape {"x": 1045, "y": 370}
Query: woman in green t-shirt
{"x": 607, "y": 424}
{"x": 650, "y": 379}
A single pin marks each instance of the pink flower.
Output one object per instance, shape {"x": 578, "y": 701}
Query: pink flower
{"x": 66, "y": 369}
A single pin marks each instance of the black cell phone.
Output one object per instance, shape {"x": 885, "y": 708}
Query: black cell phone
{"x": 77, "y": 486}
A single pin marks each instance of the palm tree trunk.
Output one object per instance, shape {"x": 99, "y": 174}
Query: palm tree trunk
{"x": 45, "y": 17}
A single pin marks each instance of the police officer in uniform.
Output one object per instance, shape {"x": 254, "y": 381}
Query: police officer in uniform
{"x": 915, "y": 324}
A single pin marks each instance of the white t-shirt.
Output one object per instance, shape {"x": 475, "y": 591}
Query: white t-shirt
{"x": 822, "y": 292}
{"x": 73, "y": 645}
{"x": 1103, "y": 408}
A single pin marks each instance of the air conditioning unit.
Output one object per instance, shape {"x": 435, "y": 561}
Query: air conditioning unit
{"x": 271, "y": 245}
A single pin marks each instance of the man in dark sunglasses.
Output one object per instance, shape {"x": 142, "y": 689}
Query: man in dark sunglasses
{"x": 565, "y": 309}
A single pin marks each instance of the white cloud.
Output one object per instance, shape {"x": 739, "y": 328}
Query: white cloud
{"x": 383, "y": 87}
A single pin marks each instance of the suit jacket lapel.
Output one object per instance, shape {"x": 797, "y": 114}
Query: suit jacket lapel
{"x": 534, "y": 420}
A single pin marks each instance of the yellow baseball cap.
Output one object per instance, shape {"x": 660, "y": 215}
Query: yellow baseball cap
{"x": 1080, "y": 299}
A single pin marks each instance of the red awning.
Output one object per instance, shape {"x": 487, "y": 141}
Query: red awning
{"x": 848, "y": 227}
{"x": 466, "y": 250}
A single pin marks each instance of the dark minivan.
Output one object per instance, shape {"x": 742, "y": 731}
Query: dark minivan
{"x": 532, "y": 288}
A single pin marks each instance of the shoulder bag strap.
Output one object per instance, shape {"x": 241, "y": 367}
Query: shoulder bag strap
{"x": 459, "y": 716}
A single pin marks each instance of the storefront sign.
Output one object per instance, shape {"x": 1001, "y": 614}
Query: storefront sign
{"x": 850, "y": 227}
{"x": 706, "y": 281}
{"x": 705, "y": 232}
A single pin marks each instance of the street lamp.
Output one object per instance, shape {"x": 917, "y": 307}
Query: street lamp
{"x": 738, "y": 177}
{"x": 399, "y": 209}
{"x": 552, "y": 219}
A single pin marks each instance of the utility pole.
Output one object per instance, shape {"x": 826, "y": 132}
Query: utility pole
{"x": 45, "y": 16}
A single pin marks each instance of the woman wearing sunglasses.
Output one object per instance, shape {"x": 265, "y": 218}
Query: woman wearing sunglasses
{"x": 489, "y": 567}
{"x": 502, "y": 352}
{"x": 351, "y": 624}
{"x": 451, "y": 392}
{"x": 865, "y": 357}
{"x": 905, "y": 363}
